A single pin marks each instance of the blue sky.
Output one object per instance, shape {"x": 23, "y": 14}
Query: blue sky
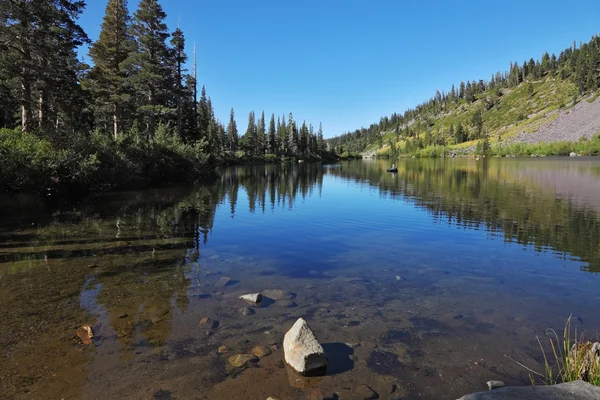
{"x": 346, "y": 63}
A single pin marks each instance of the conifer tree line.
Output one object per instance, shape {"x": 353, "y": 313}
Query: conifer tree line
{"x": 136, "y": 90}
{"x": 578, "y": 63}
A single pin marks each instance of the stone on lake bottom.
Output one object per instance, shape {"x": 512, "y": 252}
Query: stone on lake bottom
{"x": 253, "y": 298}
{"x": 224, "y": 349}
{"x": 222, "y": 282}
{"x": 86, "y": 334}
{"x": 577, "y": 390}
{"x": 277, "y": 294}
{"x": 366, "y": 393}
{"x": 240, "y": 360}
{"x": 246, "y": 311}
{"x": 285, "y": 303}
{"x": 261, "y": 351}
{"x": 209, "y": 323}
{"x": 302, "y": 350}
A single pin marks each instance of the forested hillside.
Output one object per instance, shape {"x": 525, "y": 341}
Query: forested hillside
{"x": 132, "y": 117}
{"x": 482, "y": 113}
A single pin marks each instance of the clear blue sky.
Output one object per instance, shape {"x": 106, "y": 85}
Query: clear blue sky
{"x": 346, "y": 63}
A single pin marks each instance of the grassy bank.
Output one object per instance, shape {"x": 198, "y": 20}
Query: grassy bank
{"x": 586, "y": 147}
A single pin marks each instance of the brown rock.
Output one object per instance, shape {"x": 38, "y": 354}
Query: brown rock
{"x": 261, "y": 351}
{"x": 209, "y": 323}
{"x": 86, "y": 334}
{"x": 366, "y": 393}
{"x": 224, "y": 349}
{"x": 240, "y": 360}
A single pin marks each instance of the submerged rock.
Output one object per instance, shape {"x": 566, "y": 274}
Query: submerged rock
{"x": 578, "y": 390}
{"x": 277, "y": 294}
{"x": 209, "y": 323}
{"x": 240, "y": 360}
{"x": 253, "y": 298}
{"x": 85, "y": 333}
{"x": 224, "y": 349}
{"x": 246, "y": 311}
{"x": 366, "y": 393}
{"x": 222, "y": 282}
{"x": 302, "y": 350}
{"x": 285, "y": 303}
{"x": 261, "y": 351}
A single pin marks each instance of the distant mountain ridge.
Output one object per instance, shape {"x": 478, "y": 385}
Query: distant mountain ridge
{"x": 536, "y": 101}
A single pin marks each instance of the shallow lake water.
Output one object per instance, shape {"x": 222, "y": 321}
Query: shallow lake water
{"x": 422, "y": 284}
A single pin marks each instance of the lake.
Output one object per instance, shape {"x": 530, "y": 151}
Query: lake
{"x": 422, "y": 284}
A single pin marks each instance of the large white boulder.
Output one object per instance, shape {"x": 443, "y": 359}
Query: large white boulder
{"x": 577, "y": 390}
{"x": 302, "y": 350}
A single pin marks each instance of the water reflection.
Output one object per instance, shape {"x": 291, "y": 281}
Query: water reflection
{"x": 141, "y": 266}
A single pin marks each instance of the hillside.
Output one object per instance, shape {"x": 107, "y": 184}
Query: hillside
{"x": 517, "y": 112}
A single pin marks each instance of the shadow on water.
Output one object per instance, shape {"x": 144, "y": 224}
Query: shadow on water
{"x": 339, "y": 356}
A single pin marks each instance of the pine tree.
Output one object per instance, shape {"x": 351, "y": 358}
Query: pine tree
{"x": 249, "y": 139}
{"x": 153, "y": 81}
{"x": 178, "y": 45}
{"x": 203, "y": 115}
{"x": 38, "y": 41}
{"x": 232, "y": 132}
{"x": 261, "y": 135}
{"x": 107, "y": 80}
{"x": 320, "y": 142}
{"x": 272, "y": 136}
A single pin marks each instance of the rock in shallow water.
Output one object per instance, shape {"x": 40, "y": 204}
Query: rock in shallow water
{"x": 495, "y": 384}
{"x": 253, "y": 298}
{"x": 240, "y": 360}
{"x": 221, "y": 283}
{"x": 277, "y": 294}
{"x": 86, "y": 334}
{"x": 366, "y": 393}
{"x": 261, "y": 351}
{"x": 302, "y": 350}
{"x": 578, "y": 390}
{"x": 246, "y": 311}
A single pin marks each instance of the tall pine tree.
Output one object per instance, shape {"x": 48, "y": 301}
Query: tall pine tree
{"x": 107, "y": 79}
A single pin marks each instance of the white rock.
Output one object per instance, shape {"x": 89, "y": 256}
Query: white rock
{"x": 572, "y": 154}
{"x": 495, "y": 384}
{"x": 302, "y": 350}
{"x": 254, "y": 298}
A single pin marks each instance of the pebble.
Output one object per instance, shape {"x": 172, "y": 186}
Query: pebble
{"x": 86, "y": 334}
{"x": 224, "y": 349}
{"x": 240, "y": 360}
